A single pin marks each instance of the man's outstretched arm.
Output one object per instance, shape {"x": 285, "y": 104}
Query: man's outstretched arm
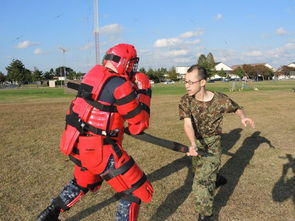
{"x": 244, "y": 119}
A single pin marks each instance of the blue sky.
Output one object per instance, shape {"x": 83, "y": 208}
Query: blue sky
{"x": 166, "y": 33}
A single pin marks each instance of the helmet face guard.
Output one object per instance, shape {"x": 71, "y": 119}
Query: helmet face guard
{"x": 132, "y": 67}
{"x": 123, "y": 57}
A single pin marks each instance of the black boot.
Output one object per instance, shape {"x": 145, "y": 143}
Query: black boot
{"x": 220, "y": 181}
{"x": 205, "y": 218}
{"x": 51, "y": 213}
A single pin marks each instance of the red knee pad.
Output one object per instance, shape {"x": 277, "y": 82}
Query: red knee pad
{"x": 133, "y": 211}
{"x": 86, "y": 179}
{"x": 130, "y": 178}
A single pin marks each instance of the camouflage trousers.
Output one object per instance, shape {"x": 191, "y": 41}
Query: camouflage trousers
{"x": 205, "y": 169}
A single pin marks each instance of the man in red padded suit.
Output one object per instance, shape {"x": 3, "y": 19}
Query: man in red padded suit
{"x": 108, "y": 95}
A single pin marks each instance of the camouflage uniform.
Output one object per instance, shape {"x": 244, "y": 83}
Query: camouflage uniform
{"x": 207, "y": 119}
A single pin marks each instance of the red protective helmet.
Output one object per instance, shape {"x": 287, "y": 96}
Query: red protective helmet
{"x": 123, "y": 57}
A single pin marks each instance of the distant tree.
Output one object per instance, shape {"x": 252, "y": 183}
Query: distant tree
{"x": 156, "y": 75}
{"x": 151, "y": 74}
{"x": 257, "y": 71}
{"x": 210, "y": 59}
{"x": 263, "y": 71}
{"x": 239, "y": 71}
{"x": 172, "y": 75}
{"x": 47, "y": 75}
{"x": 2, "y": 77}
{"x": 207, "y": 63}
{"x": 37, "y": 75}
{"x": 202, "y": 60}
{"x": 63, "y": 71}
{"x": 74, "y": 75}
{"x": 249, "y": 71}
{"x": 52, "y": 72}
{"x": 160, "y": 74}
{"x": 222, "y": 73}
{"x": 16, "y": 72}
{"x": 142, "y": 70}
{"x": 80, "y": 75}
{"x": 285, "y": 70}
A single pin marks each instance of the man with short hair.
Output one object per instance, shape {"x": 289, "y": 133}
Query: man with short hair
{"x": 202, "y": 111}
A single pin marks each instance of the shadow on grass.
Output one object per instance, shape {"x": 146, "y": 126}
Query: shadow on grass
{"x": 178, "y": 196}
{"x": 154, "y": 176}
{"x": 84, "y": 213}
{"x": 229, "y": 140}
{"x": 284, "y": 187}
{"x": 234, "y": 168}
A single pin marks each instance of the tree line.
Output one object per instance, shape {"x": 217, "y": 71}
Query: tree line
{"x": 251, "y": 71}
{"x": 19, "y": 74}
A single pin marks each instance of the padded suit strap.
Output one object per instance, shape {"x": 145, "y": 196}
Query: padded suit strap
{"x": 115, "y": 172}
{"x": 85, "y": 92}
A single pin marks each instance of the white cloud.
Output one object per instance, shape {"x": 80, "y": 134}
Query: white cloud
{"x": 25, "y": 44}
{"x": 167, "y": 42}
{"x": 191, "y": 34}
{"x": 290, "y": 45}
{"x": 180, "y": 42}
{"x": 255, "y": 53}
{"x": 281, "y": 31}
{"x": 197, "y": 41}
{"x": 184, "y": 60}
{"x": 219, "y": 16}
{"x": 111, "y": 29}
{"x": 38, "y": 51}
{"x": 177, "y": 52}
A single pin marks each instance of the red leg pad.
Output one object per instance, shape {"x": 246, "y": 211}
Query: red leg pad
{"x": 133, "y": 211}
{"x": 86, "y": 178}
{"x": 125, "y": 181}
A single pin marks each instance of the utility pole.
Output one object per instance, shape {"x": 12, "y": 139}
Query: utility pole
{"x": 63, "y": 50}
{"x": 96, "y": 29}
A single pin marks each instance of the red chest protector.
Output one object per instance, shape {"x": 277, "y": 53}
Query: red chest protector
{"x": 85, "y": 112}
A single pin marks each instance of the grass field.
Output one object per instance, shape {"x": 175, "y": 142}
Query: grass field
{"x": 261, "y": 179}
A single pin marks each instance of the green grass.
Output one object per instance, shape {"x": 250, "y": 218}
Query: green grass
{"x": 27, "y": 94}
{"x": 260, "y": 179}
{"x": 224, "y": 87}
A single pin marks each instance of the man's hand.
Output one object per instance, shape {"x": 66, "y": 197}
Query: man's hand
{"x": 246, "y": 121}
{"x": 192, "y": 151}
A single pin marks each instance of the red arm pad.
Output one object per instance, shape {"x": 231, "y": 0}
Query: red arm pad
{"x": 143, "y": 87}
{"x": 127, "y": 102}
{"x": 142, "y": 81}
{"x": 140, "y": 126}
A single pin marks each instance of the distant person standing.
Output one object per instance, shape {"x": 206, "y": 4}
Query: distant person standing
{"x": 202, "y": 111}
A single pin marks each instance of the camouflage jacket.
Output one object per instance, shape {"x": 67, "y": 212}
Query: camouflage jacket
{"x": 206, "y": 116}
